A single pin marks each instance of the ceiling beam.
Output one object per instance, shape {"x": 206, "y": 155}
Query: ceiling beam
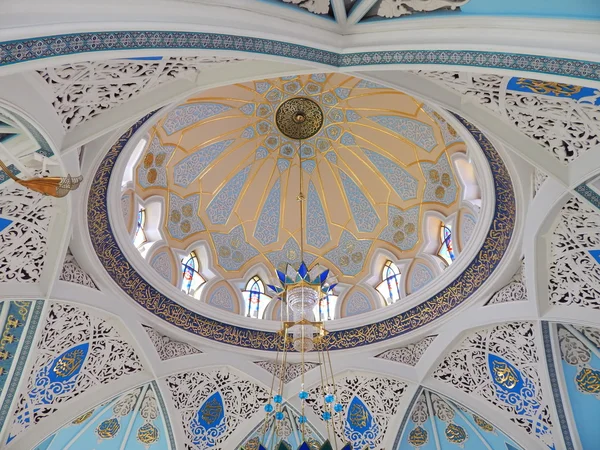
{"x": 359, "y": 11}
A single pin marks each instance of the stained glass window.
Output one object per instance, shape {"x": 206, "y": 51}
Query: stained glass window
{"x": 446, "y": 249}
{"x": 140, "y": 238}
{"x": 390, "y": 282}
{"x": 325, "y": 310}
{"x": 256, "y": 299}
{"x": 192, "y": 279}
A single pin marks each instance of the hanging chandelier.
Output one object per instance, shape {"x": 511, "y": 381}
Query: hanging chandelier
{"x": 301, "y": 290}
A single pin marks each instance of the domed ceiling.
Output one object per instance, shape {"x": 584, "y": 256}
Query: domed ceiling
{"x": 381, "y": 160}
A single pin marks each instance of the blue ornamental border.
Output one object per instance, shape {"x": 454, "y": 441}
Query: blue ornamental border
{"x": 457, "y": 292}
{"x": 35, "y": 48}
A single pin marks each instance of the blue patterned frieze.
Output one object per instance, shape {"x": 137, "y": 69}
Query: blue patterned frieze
{"x": 420, "y": 276}
{"x": 282, "y": 165}
{"x": 554, "y": 89}
{"x": 264, "y": 110}
{"x": 352, "y": 116}
{"x": 342, "y": 93}
{"x": 163, "y": 265}
{"x": 441, "y": 184}
{"x": 449, "y": 134}
{"x": 272, "y": 142}
{"x": 232, "y": 249}
{"x": 191, "y": 167}
{"x": 221, "y": 298}
{"x": 331, "y": 157}
{"x": 309, "y": 166}
{"x": 417, "y": 132}
{"x": 267, "y": 226}
{"x": 261, "y": 153}
{"x": 317, "y": 230}
{"x": 347, "y": 139}
{"x": 221, "y": 206}
{"x": 333, "y": 132}
{"x": 350, "y": 254}
{"x": 263, "y": 127}
{"x": 262, "y": 86}
{"x": 323, "y": 144}
{"x": 319, "y": 77}
{"x": 209, "y": 423}
{"x": 402, "y": 230}
{"x": 399, "y": 179}
{"x": 248, "y": 133}
{"x": 360, "y": 427}
{"x": 357, "y": 303}
{"x": 12, "y": 332}
{"x": 289, "y": 254}
{"x": 185, "y": 115}
{"x": 183, "y": 216}
{"x": 366, "y": 84}
{"x": 274, "y": 96}
{"x": 336, "y": 115}
{"x": 152, "y": 170}
{"x": 328, "y": 99}
{"x": 287, "y": 150}
{"x": 248, "y": 108}
{"x": 292, "y": 87}
{"x": 364, "y": 214}
{"x": 313, "y": 88}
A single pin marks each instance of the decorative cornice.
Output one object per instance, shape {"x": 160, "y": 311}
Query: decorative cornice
{"x": 457, "y": 292}
{"x": 35, "y": 48}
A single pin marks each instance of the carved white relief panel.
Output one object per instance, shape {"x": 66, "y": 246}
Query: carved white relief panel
{"x": 292, "y": 370}
{"x": 77, "y": 351}
{"x": 86, "y": 89}
{"x": 168, "y": 348}
{"x": 397, "y": 8}
{"x": 370, "y": 403}
{"x": 514, "y": 291}
{"x": 409, "y": 354}
{"x": 212, "y": 405}
{"x": 539, "y": 176}
{"x": 501, "y": 365}
{"x": 73, "y": 273}
{"x": 24, "y": 236}
{"x": 574, "y": 275}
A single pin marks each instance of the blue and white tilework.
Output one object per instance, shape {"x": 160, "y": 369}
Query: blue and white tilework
{"x": 267, "y": 226}
{"x": 441, "y": 184}
{"x": 349, "y": 256}
{"x": 317, "y": 230}
{"x": 221, "y": 206}
{"x": 449, "y": 134}
{"x": 357, "y": 303}
{"x": 417, "y": 132}
{"x": 183, "y": 216}
{"x": 364, "y": 214}
{"x": 185, "y": 115}
{"x": 221, "y": 298}
{"x": 399, "y": 179}
{"x": 420, "y": 276}
{"x": 289, "y": 254}
{"x": 402, "y": 230}
{"x": 191, "y": 167}
{"x": 232, "y": 249}
{"x": 152, "y": 170}
{"x": 162, "y": 263}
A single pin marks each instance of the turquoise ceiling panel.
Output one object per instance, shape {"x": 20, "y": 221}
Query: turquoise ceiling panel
{"x": 364, "y": 214}
{"x": 190, "y": 168}
{"x": 399, "y": 179}
{"x": 417, "y": 132}
{"x": 186, "y": 115}
{"x": 317, "y": 230}
{"x": 220, "y": 207}
{"x": 267, "y": 226}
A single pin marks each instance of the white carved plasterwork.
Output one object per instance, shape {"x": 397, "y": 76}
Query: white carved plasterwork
{"x": 293, "y": 370}
{"x": 314, "y": 6}
{"x": 574, "y": 275}
{"x": 381, "y": 396}
{"x": 410, "y": 354}
{"x": 593, "y": 334}
{"x": 241, "y": 400}
{"x": 86, "y": 89}
{"x": 514, "y": 291}
{"x": 168, "y": 348}
{"x": 539, "y": 176}
{"x": 73, "y": 273}
{"x": 565, "y": 126}
{"x": 23, "y": 242}
{"x": 500, "y": 364}
{"x": 90, "y": 352}
{"x": 397, "y": 8}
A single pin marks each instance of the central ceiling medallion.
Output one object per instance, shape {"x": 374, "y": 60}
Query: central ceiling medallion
{"x": 299, "y": 118}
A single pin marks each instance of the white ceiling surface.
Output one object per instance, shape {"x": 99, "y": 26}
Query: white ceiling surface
{"x": 22, "y": 89}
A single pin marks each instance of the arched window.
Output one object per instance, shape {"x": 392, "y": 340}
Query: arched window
{"x": 140, "y": 238}
{"x": 192, "y": 279}
{"x": 390, "y": 282}
{"x": 325, "y": 310}
{"x": 256, "y": 299}
{"x": 446, "y": 251}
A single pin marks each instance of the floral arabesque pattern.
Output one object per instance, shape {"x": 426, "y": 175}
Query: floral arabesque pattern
{"x": 168, "y": 348}
{"x": 409, "y": 354}
{"x": 73, "y": 273}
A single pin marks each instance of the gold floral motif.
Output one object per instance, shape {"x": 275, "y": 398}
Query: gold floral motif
{"x": 292, "y": 255}
{"x": 148, "y": 160}
{"x": 588, "y": 381}
{"x": 399, "y": 237}
{"x": 344, "y": 261}
{"x": 147, "y": 434}
{"x": 175, "y": 216}
{"x": 358, "y": 416}
{"x": 160, "y": 159}
{"x": 108, "y": 429}
{"x": 237, "y": 256}
{"x": 236, "y": 242}
{"x": 82, "y": 418}
{"x": 440, "y": 192}
{"x": 434, "y": 176}
{"x": 224, "y": 252}
{"x": 398, "y": 221}
{"x": 357, "y": 257}
{"x": 418, "y": 437}
{"x": 186, "y": 226}
{"x": 212, "y": 411}
{"x": 69, "y": 363}
{"x": 152, "y": 176}
{"x": 456, "y": 434}
{"x": 446, "y": 180}
{"x": 549, "y": 87}
{"x": 252, "y": 444}
{"x": 452, "y": 131}
{"x": 349, "y": 247}
{"x": 187, "y": 210}
{"x": 483, "y": 424}
{"x": 410, "y": 228}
